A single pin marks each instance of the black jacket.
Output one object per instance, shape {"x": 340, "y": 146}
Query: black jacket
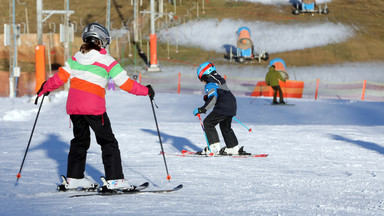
{"x": 219, "y": 96}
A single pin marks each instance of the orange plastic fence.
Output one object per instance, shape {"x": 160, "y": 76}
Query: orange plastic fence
{"x": 290, "y": 88}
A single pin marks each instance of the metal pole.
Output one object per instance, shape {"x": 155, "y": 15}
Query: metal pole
{"x": 12, "y": 84}
{"x": 135, "y": 22}
{"x": 153, "y": 17}
{"x": 39, "y": 8}
{"x": 108, "y": 14}
{"x": 30, "y": 138}
{"x": 153, "y": 41}
{"x": 66, "y": 24}
{"x": 161, "y": 143}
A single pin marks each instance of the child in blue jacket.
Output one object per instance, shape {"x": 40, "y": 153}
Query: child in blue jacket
{"x": 220, "y": 98}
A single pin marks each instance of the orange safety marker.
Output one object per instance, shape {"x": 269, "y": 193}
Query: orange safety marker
{"x": 317, "y": 88}
{"x": 153, "y": 47}
{"x": 364, "y": 85}
{"x": 178, "y": 85}
{"x": 39, "y": 66}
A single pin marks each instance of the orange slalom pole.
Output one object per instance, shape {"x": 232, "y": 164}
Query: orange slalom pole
{"x": 39, "y": 66}
{"x": 178, "y": 85}
{"x": 364, "y": 85}
{"x": 317, "y": 88}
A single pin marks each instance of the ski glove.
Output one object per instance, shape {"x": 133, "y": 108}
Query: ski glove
{"x": 151, "y": 92}
{"x": 42, "y": 90}
{"x": 198, "y": 111}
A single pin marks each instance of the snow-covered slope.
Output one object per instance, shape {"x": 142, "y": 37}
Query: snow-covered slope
{"x": 325, "y": 157}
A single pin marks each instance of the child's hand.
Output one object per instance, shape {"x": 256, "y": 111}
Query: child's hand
{"x": 197, "y": 111}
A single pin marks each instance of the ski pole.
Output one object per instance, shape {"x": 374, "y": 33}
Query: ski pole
{"x": 30, "y": 138}
{"x": 249, "y": 129}
{"x": 285, "y": 89}
{"x": 161, "y": 144}
{"x": 206, "y": 138}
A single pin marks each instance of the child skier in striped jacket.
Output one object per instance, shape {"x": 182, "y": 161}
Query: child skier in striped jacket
{"x": 88, "y": 71}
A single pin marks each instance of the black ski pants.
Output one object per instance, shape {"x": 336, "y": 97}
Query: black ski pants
{"x": 225, "y": 126}
{"x": 101, "y": 126}
{"x": 277, "y": 89}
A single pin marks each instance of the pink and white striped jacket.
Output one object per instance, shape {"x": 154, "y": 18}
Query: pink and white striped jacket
{"x": 88, "y": 74}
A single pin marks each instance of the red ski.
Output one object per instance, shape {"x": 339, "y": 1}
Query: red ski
{"x": 186, "y": 153}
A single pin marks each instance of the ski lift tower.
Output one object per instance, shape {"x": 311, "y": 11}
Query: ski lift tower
{"x": 40, "y": 48}
{"x": 154, "y": 67}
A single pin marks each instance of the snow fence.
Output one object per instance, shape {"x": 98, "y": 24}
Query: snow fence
{"x": 255, "y": 87}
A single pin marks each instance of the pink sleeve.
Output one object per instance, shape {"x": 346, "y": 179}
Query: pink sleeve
{"x": 138, "y": 89}
{"x": 52, "y": 83}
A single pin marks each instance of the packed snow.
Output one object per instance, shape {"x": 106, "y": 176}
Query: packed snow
{"x": 326, "y": 157}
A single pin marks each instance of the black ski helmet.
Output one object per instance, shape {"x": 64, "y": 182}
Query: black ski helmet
{"x": 95, "y": 30}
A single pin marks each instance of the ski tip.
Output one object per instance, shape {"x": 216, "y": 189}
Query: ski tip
{"x": 178, "y": 187}
{"x": 260, "y": 155}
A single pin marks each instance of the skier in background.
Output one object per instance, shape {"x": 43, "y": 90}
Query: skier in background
{"x": 224, "y": 106}
{"x": 272, "y": 79}
{"x": 88, "y": 71}
{"x": 111, "y": 84}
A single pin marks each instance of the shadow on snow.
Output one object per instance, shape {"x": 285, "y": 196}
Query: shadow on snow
{"x": 177, "y": 142}
{"x": 367, "y": 145}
